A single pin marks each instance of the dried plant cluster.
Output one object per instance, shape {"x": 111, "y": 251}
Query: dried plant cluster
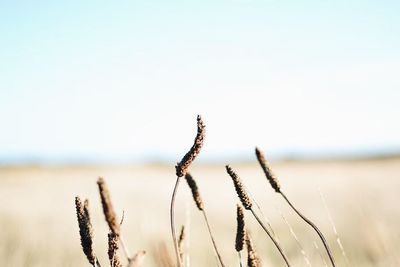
{"x": 242, "y": 241}
{"x": 115, "y": 240}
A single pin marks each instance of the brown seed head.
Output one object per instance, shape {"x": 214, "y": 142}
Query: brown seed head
{"x": 240, "y": 232}
{"x": 240, "y": 190}
{"x": 108, "y": 209}
{"x": 113, "y": 250}
{"x": 273, "y": 180}
{"x": 85, "y": 229}
{"x": 183, "y": 165}
{"x": 195, "y": 191}
{"x": 252, "y": 258}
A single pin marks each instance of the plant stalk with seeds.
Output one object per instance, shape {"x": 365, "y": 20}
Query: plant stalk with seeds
{"x": 200, "y": 205}
{"x": 240, "y": 232}
{"x": 247, "y": 204}
{"x": 252, "y": 258}
{"x": 113, "y": 250}
{"x": 111, "y": 218}
{"x": 86, "y": 230}
{"x": 273, "y": 180}
{"x": 181, "y": 170}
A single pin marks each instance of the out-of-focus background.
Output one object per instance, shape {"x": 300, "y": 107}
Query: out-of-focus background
{"x": 96, "y": 88}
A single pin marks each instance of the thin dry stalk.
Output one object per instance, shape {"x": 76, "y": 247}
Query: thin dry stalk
{"x": 200, "y": 205}
{"x": 86, "y": 230}
{"x": 246, "y": 202}
{"x": 181, "y": 169}
{"x": 319, "y": 253}
{"x": 240, "y": 258}
{"x": 113, "y": 250}
{"x": 264, "y": 217}
{"x": 212, "y": 239}
{"x": 252, "y": 257}
{"x": 303, "y": 252}
{"x": 172, "y": 217}
{"x": 316, "y": 229}
{"x": 271, "y": 237}
{"x": 275, "y": 185}
{"x": 338, "y": 240}
{"x": 181, "y": 241}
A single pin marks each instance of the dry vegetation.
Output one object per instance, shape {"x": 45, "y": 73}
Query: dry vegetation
{"x": 354, "y": 203}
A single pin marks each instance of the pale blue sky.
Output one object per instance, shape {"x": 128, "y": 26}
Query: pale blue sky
{"x": 120, "y": 80}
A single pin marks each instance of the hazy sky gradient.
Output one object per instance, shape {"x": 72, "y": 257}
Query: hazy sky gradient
{"x": 125, "y": 80}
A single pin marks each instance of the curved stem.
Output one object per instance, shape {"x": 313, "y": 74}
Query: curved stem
{"x": 272, "y": 238}
{"x": 172, "y": 214}
{"x": 321, "y": 236}
{"x": 212, "y": 238}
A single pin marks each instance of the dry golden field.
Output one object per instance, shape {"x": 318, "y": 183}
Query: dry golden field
{"x": 38, "y": 223}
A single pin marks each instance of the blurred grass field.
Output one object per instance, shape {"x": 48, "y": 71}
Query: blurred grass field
{"x": 38, "y": 223}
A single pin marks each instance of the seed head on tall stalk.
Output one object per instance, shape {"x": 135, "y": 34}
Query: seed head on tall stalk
{"x": 252, "y": 257}
{"x": 200, "y": 205}
{"x": 181, "y": 170}
{"x": 240, "y": 232}
{"x": 86, "y": 230}
{"x": 273, "y": 180}
{"x": 248, "y": 205}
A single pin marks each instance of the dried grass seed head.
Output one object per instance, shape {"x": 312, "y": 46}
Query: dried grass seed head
{"x": 273, "y": 180}
{"x": 113, "y": 250}
{"x": 183, "y": 166}
{"x": 85, "y": 229}
{"x": 239, "y": 187}
{"x": 195, "y": 191}
{"x": 253, "y": 259}
{"x": 108, "y": 209}
{"x": 240, "y": 231}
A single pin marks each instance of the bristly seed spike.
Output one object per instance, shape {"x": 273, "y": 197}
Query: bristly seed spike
{"x": 195, "y": 191}
{"x": 85, "y": 229}
{"x": 240, "y": 231}
{"x": 239, "y": 187}
{"x": 183, "y": 166}
{"x": 252, "y": 258}
{"x": 273, "y": 180}
{"x": 108, "y": 208}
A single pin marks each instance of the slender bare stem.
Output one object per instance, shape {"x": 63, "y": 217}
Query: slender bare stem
{"x": 212, "y": 238}
{"x": 240, "y": 259}
{"x": 122, "y": 241}
{"x": 321, "y": 236}
{"x": 339, "y": 242}
{"x": 124, "y": 248}
{"x": 271, "y": 237}
{"x": 303, "y": 252}
{"x": 172, "y": 214}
